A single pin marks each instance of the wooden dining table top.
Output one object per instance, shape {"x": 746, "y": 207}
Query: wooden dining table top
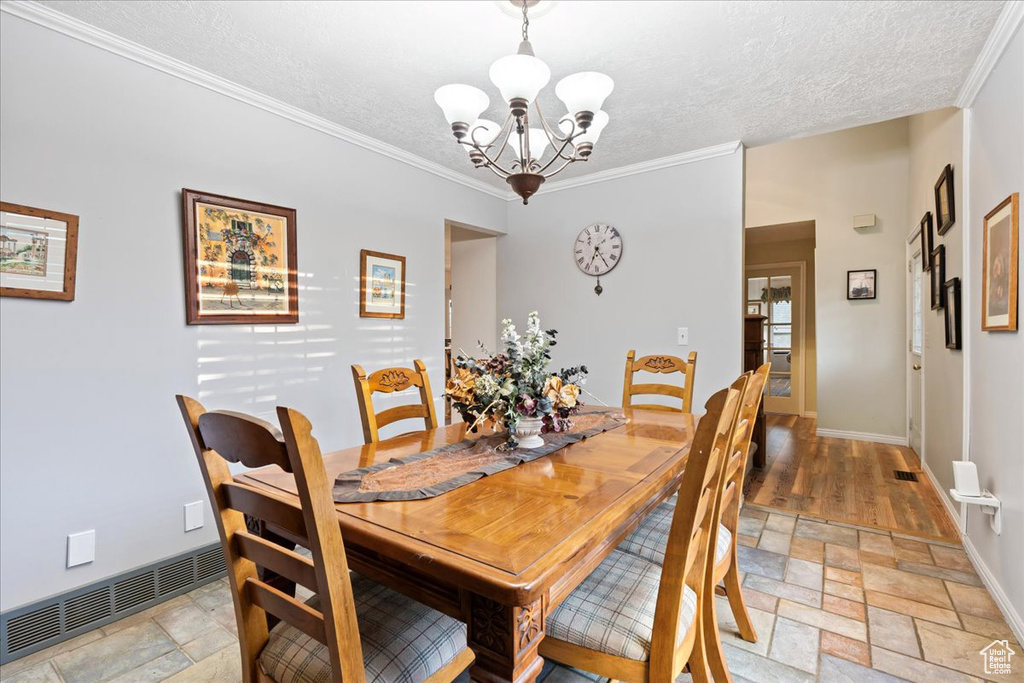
{"x": 514, "y": 535}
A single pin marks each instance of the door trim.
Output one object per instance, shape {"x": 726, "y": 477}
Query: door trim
{"x": 912, "y": 249}
{"x": 802, "y": 265}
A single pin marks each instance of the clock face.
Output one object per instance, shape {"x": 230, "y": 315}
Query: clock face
{"x": 598, "y": 249}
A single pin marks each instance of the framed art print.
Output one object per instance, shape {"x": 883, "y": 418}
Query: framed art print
{"x": 382, "y": 285}
{"x": 945, "y": 209}
{"x": 240, "y": 261}
{"x": 953, "y": 315}
{"x": 938, "y": 259}
{"x": 927, "y": 240}
{"x": 38, "y": 253}
{"x": 999, "y": 268}
{"x": 860, "y": 284}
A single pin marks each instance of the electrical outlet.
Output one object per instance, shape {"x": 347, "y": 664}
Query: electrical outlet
{"x": 81, "y": 548}
{"x": 683, "y": 336}
{"x": 194, "y": 515}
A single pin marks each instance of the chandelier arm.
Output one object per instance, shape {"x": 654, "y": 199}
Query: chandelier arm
{"x": 562, "y": 167}
{"x": 559, "y": 155}
{"x": 492, "y": 163}
{"x": 552, "y": 136}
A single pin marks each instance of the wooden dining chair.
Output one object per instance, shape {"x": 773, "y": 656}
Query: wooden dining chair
{"x": 633, "y": 620}
{"x": 352, "y": 629}
{"x": 388, "y": 381}
{"x": 659, "y": 365}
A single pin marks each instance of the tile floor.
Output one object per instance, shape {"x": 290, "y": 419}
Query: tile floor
{"x": 830, "y": 602}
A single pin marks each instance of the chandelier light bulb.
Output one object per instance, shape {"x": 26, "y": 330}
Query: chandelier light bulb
{"x": 538, "y": 143}
{"x": 584, "y": 91}
{"x": 520, "y": 77}
{"x": 461, "y": 103}
{"x": 592, "y": 133}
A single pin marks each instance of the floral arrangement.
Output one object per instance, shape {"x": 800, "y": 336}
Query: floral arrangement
{"x": 516, "y": 384}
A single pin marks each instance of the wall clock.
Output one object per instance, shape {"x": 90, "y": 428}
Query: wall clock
{"x": 597, "y": 250}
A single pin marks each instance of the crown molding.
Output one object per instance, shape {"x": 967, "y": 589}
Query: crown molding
{"x": 79, "y": 30}
{"x": 642, "y": 167}
{"x": 1009, "y": 21}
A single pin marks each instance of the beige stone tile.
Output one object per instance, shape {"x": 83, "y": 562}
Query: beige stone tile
{"x": 843, "y": 576}
{"x": 749, "y": 526}
{"x": 842, "y": 557}
{"x": 758, "y": 600}
{"x": 952, "y": 558}
{"x": 989, "y": 628}
{"x": 208, "y": 643}
{"x": 747, "y": 666}
{"x": 956, "y": 649}
{"x": 892, "y": 631}
{"x": 847, "y": 608}
{"x": 807, "y": 549}
{"x": 912, "y": 669}
{"x": 749, "y": 541}
{"x": 211, "y": 595}
{"x": 795, "y": 645}
{"x": 911, "y": 608}
{"x": 114, "y": 655}
{"x": 844, "y": 626}
{"x": 973, "y": 600}
{"x": 754, "y": 512}
{"x": 847, "y": 648}
{"x": 969, "y": 578}
{"x": 842, "y": 590}
{"x": 224, "y": 665}
{"x": 186, "y": 623}
{"x": 876, "y": 543}
{"x": 781, "y": 523}
{"x": 40, "y": 673}
{"x": 29, "y": 661}
{"x": 763, "y": 622}
{"x": 804, "y": 573}
{"x": 905, "y": 584}
{"x": 914, "y": 556}
{"x": 145, "y": 614}
{"x": 909, "y": 544}
{"x": 828, "y": 533}
{"x": 775, "y": 542}
{"x": 780, "y": 589}
{"x": 868, "y": 557}
{"x": 157, "y": 670}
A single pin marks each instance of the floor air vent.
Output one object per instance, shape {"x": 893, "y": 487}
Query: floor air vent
{"x": 904, "y": 475}
{"x": 33, "y": 627}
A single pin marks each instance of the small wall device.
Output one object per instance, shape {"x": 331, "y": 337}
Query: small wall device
{"x": 969, "y": 492}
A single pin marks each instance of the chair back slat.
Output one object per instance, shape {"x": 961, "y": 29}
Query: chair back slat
{"x": 389, "y": 381}
{"x": 287, "y": 609}
{"x": 259, "y": 505}
{"x": 659, "y": 364}
{"x": 277, "y": 559}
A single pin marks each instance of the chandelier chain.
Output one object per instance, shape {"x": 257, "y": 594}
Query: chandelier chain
{"x": 526, "y": 21}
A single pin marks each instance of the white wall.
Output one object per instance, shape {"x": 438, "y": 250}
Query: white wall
{"x": 860, "y": 344}
{"x": 474, "y": 295}
{"x": 937, "y": 139}
{"x": 91, "y": 436}
{"x": 996, "y": 159}
{"x": 682, "y": 266}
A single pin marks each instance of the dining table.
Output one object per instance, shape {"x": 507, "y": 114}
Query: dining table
{"x": 501, "y": 553}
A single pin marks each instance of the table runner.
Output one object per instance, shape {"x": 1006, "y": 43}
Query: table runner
{"x": 432, "y": 473}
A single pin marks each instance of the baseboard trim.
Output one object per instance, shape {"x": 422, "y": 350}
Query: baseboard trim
{"x": 1013, "y": 618}
{"x": 811, "y": 414}
{"x": 863, "y": 436}
{"x": 946, "y": 502}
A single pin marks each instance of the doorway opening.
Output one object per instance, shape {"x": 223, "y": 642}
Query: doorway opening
{"x": 471, "y": 295}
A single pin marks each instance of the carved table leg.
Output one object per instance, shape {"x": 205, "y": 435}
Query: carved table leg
{"x": 505, "y": 639}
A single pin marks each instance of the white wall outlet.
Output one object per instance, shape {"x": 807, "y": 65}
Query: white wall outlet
{"x": 683, "y": 336}
{"x": 81, "y": 548}
{"x": 194, "y": 515}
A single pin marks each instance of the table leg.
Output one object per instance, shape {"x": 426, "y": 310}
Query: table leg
{"x": 504, "y": 639}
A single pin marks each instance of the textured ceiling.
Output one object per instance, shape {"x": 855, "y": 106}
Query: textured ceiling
{"x": 687, "y": 74}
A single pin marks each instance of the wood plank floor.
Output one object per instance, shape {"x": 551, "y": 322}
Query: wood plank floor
{"x": 848, "y": 481}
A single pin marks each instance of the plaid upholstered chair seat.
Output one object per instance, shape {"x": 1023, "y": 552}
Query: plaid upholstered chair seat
{"x": 612, "y": 611}
{"x": 403, "y": 641}
{"x": 649, "y": 539}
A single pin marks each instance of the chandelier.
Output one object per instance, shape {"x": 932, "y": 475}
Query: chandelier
{"x": 519, "y": 78}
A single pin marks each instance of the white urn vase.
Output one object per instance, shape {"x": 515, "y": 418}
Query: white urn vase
{"x": 528, "y": 432}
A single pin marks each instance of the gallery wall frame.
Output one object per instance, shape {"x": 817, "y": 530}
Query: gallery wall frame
{"x": 240, "y": 261}
{"x": 938, "y": 276}
{"x": 38, "y": 253}
{"x": 861, "y": 284}
{"x": 945, "y": 206}
{"x": 954, "y": 326}
{"x": 1000, "y": 266}
{"x": 927, "y": 240}
{"x": 381, "y": 285}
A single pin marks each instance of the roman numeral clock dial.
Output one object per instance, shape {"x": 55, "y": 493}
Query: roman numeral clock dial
{"x": 597, "y": 250}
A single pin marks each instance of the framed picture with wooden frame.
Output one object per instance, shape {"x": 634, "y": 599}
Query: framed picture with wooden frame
{"x": 953, "y": 315}
{"x": 945, "y": 207}
{"x": 927, "y": 240}
{"x": 1000, "y": 266}
{"x": 381, "y": 285}
{"x": 240, "y": 261}
{"x": 938, "y": 273}
{"x": 38, "y": 253}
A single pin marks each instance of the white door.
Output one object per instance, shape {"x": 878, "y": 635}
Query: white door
{"x": 915, "y": 329}
{"x": 777, "y": 291}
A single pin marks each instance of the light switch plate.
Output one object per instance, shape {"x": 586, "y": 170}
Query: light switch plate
{"x": 81, "y": 548}
{"x": 194, "y": 515}
{"x": 683, "y": 336}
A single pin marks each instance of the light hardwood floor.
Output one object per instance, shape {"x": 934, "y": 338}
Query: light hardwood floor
{"x": 849, "y": 481}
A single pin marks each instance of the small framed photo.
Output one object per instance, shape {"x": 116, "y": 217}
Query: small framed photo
{"x": 382, "y": 285}
{"x": 860, "y": 284}
{"x": 953, "y": 325}
{"x": 240, "y": 261}
{"x": 938, "y": 259}
{"x": 38, "y": 253}
{"x": 927, "y": 240}
{"x": 945, "y": 209}
{"x": 1000, "y": 266}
